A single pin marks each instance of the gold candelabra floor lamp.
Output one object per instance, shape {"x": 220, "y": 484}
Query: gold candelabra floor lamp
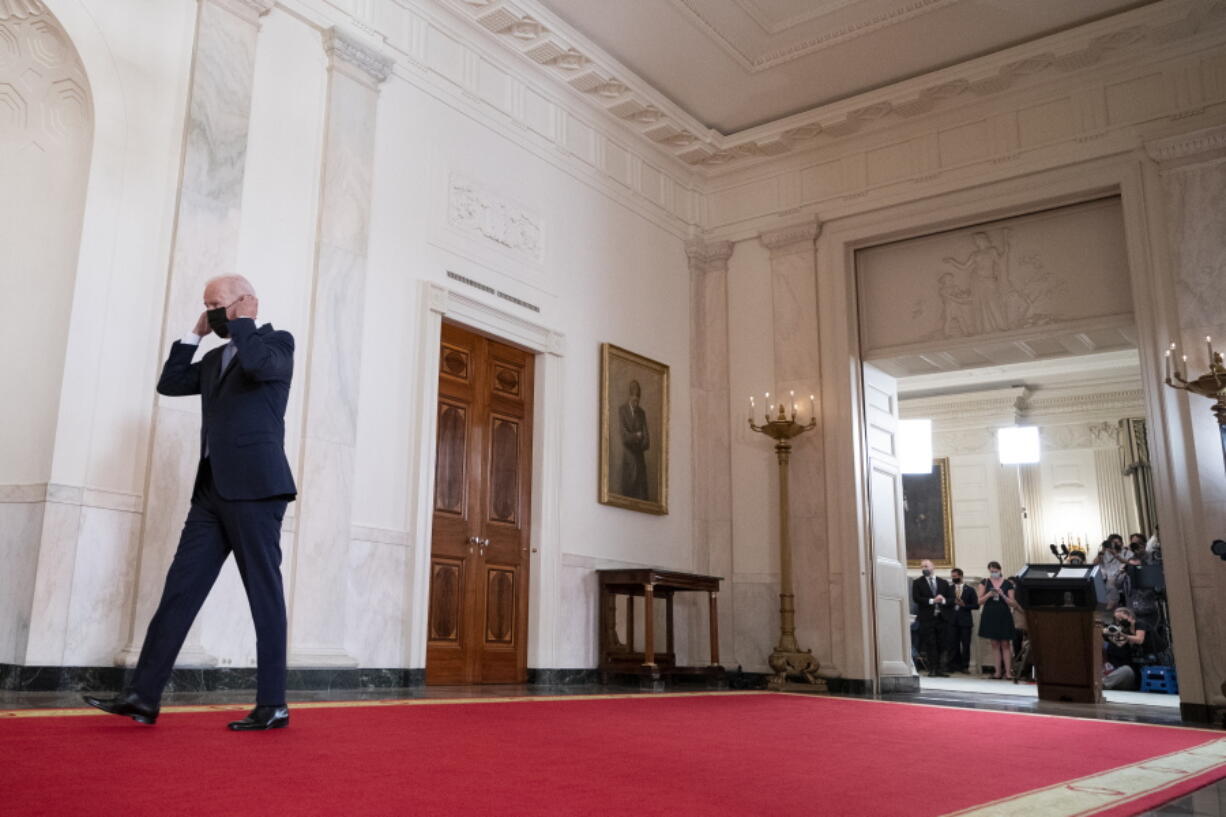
{"x": 787, "y": 660}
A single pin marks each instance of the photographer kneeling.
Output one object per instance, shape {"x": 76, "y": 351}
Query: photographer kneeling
{"x": 1123, "y": 640}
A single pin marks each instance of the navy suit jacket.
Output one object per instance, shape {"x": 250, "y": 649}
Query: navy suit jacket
{"x": 970, "y": 601}
{"x": 921, "y": 593}
{"x": 243, "y": 408}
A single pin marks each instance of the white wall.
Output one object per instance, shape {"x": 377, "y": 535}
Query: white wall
{"x": 609, "y": 271}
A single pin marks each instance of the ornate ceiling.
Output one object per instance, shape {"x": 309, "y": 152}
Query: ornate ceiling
{"x": 734, "y": 64}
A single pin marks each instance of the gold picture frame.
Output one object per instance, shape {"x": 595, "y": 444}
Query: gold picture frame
{"x": 928, "y": 516}
{"x": 634, "y": 414}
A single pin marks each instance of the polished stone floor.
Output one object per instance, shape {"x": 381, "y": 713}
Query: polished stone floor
{"x": 1209, "y": 801}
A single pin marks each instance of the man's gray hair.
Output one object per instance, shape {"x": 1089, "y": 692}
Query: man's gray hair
{"x": 238, "y": 284}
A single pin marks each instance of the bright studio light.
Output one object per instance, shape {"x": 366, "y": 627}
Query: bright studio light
{"x": 1018, "y": 445}
{"x": 915, "y": 446}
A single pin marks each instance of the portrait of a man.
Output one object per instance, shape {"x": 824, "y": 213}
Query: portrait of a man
{"x": 633, "y": 431}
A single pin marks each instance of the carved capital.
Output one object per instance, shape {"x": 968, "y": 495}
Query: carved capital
{"x": 1197, "y": 145}
{"x": 356, "y": 58}
{"x": 249, "y": 10}
{"x": 706, "y": 256}
{"x": 794, "y": 238}
{"x": 21, "y": 9}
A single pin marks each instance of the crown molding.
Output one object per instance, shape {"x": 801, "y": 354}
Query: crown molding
{"x": 532, "y": 32}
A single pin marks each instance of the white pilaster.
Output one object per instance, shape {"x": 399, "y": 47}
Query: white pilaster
{"x": 205, "y": 245}
{"x": 317, "y": 609}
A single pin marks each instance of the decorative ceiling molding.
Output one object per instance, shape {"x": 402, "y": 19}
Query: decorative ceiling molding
{"x": 530, "y": 30}
{"x": 755, "y": 63}
{"x": 21, "y": 9}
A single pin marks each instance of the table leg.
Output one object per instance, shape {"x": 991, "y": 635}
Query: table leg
{"x": 714, "y": 632}
{"x": 649, "y": 626}
{"x": 630, "y": 623}
{"x": 668, "y": 619}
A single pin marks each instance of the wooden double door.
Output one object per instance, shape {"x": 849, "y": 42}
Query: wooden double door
{"x": 482, "y": 501}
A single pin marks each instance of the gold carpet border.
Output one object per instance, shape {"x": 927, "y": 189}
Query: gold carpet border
{"x": 1195, "y": 728}
{"x": 170, "y": 710}
{"x": 1098, "y": 792}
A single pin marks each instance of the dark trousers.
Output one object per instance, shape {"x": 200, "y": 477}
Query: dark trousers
{"x": 932, "y": 642}
{"x": 214, "y": 528}
{"x": 960, "y": 646}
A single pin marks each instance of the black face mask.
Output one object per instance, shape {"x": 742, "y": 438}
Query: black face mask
{"x": 926, "y": 572}
{"x": 218, "y": 322}
{"x": 957, "y": 580}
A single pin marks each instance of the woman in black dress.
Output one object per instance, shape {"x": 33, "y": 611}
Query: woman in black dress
{"x": 996, "y": 621}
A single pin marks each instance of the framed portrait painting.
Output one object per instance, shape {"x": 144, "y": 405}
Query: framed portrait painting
{"x": 927, "y": 516}
{"x": 633, "y": 431}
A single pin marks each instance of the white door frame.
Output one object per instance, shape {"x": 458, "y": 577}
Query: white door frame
{"x": 437, "y": 302}
{"x": 1135, "y": 179}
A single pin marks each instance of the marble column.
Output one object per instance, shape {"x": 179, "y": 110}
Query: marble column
{"x": 205, "y": 245}
{"x": 1112, "y": 498}
{"x": 1012, "y": 528}
{"x": 1032, "y": 501}
{"x": 711, "y": 420}
{"x": 1191, "y": 171}
{"x": 334, "y": 356}
{"x": 816, "y": 567}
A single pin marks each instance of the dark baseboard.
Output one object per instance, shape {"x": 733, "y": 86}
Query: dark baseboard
{"x": 16, "y": 678}
{"x": 899, "y": 683}
{"x": 1203, "y": 713}
{"x": 850, "y": 686}
{"x": 562, "y": 677}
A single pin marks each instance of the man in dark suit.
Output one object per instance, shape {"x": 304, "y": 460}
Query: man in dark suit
{"x": 243, "y": 485}
{"x": 965, "y": 599}
{"x": 636, "y": 439}
{"x": 932, "y": 600}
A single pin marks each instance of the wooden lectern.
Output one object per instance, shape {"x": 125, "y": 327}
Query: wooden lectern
{"x": 1066, "y": 645}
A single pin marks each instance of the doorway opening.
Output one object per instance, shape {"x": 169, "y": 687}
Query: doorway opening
{"x": 1003, "y": 346}
{"x": 479, "y": 549}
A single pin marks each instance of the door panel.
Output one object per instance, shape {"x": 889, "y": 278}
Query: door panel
{"x": 479, "y": 548}
{"x": 888, "y": 538}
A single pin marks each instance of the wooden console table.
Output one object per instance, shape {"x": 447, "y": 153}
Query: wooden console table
{"x": 617, "y": 656}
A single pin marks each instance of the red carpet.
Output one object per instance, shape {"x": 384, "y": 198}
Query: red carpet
{"x": 734, "y": 754}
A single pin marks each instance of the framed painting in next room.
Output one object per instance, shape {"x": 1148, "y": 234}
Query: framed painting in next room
{"x": 927, "y": 517}
{"x": 633, "y": 431}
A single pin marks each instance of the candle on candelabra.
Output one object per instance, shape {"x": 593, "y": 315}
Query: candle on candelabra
{"x": 1209, "y": 346}
{"x": 1168, "y": 368}
{"x": 812, "y": 408}
{"x": 1183, "y": 374}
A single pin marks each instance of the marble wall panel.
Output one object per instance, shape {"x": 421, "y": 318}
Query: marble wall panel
{"x": 325, "y": 498}
{"x": 577, "y": 644}
{"x": 375, "y": 609}
{"x": 225, "y": 629}
{"x": 103, "y": 582}
{"x": 756, "y": 622}
{"x": 53, "y": 584}
{"x": 21, "y": 525}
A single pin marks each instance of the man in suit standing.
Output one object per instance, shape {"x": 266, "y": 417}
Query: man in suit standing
{"x": 243, "y": 485}
{"x": 636, "y": 439}
{"x": 932, "y": 599}
{"x": 958, "y": 632}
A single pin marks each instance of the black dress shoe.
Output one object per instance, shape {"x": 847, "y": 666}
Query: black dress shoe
{"x": 263, "y": 717}
{"x": 127, "y": 704}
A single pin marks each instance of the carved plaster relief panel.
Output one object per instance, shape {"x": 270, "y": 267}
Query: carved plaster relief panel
{"x": 492, "y": 228}
{"x": 1007, "y": 280}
